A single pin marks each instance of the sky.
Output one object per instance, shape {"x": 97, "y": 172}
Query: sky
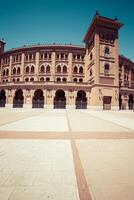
{"x": 24, "y": 22}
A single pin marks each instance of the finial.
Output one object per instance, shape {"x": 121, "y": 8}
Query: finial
{"x": 97, "y": 13}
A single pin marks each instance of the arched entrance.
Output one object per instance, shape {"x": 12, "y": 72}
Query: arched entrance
{"x": 130, "y": 102}
{"x": 81, "y": 100}
{"x": 18, "y": 100}
{"x": 2, "y": 98}
{"x": 38, "y": 99}
{"x": 60, "y": 99}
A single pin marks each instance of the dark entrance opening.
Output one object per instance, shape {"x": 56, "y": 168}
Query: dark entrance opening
{"x": 18, "y": 100}
{"x": 2, "y": 98}
{"x": 120, "y": 102}
{"x": 130, "y": 102}
{"x": 38, "y": 99}
{"x": 107, "y": 102}
{"x": 60, "y": 99}
{"x": 81, "y": 100}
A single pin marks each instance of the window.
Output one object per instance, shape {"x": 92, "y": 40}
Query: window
{"x": 64, "y": 69}
{"x": 18, "y": 70}
{"x": 66, "y": 56}
{"x": 6, "y": 80}
{"x": 78, "y": 57}
{"x": 64, "y": 80}
{"x": 62, "y": 56}
{"x": 58, "y": 79}
{"x": 42, "y": 69}
{"x": 18, "y": 79}
{"x": 27, "y": 69}
{"x": 26, "y": 79}
{"x": 47, "y": 79}
{"x": 75, "y": 80}
{"x": 80, "y": 80}
{"x": 81, "y": 70}
{"x": 58, "y": 56}
{"x": 45, "y": 55}
{"x": 7, "y": 72}
{"x": 47, "y": 69}
{"x": 59, "y": 68}
{"x": 13, "y": 80}
{"x": 14, "y": 70}
{"x": 4, "y": 72}
{"x": 42, "y": 79}
{"x": 106, "y": 51}
{"x": 32, "y": 69}
{"x": 75, "y": 69}
{"x": 31, "y": 79}
{"x": 106, "y": 69}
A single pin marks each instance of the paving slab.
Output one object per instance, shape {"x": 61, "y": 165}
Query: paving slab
{"x": 108, "y": 166}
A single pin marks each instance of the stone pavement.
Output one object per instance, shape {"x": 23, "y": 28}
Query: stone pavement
{"x": 66, "y": 154}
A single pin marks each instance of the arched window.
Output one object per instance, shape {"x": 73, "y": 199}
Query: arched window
{"x": 58, "y": 79}
{"x": 27, "y": 69}
{"x": 80, "y": 80}
{"x": 4, "y": 72}
{"x": 26, "y": 79}
{"x": 42, "y": 69}
{"x": 47, "y": 79}
{"x": 32, "y": 79}
{"x": 32, "y": 69}
{"x": 106, "y": 51}
{"x": 59, "y": 68}
{"x": 75, "y": 80}
{"x": 13, "y": 80}
{"x": 106, "y": 69}
{"x": 64, "y": 69}
{"x": 64, "y": 80}
{"x": 42, "y": 79}
{"x": 81, "y": 70}
{"x": 18, "y": 79}
{"x": 6, "y": 80}
{"x": 75, "y": 69}
{"x": 47, "y": 69}
{"x": 7, "y": 72}
{"x": 18, "y": 70}
{"x": 14, "y": 70}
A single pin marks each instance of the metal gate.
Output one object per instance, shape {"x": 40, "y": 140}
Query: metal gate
{"x": 2, "y": 103}
{"x": 58, "y": 104}
{"x": 38, "y": 103}
{"x": 18, "y": 103}
{"x": 81, "y": 104}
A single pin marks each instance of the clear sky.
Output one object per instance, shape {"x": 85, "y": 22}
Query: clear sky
{"x": 62, "y": 21}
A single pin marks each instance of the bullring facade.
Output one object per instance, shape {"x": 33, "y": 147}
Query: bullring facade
{"x": 61, "y": 76}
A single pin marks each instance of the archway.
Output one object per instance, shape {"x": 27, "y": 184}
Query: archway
{"x": 18, "y": 100}
{"x": 60, "y": 99}
{"x": 38, "y": 99}
{"x": 130, "y": 102}
{"x": 81, "y": 100}
{"x": 2, "y": 98}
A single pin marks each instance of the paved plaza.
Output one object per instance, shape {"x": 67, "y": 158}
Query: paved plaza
{"x": 66, "y": 154}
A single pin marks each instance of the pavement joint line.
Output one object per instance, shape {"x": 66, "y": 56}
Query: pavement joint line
{"x": 130, "y": 129}
{"x": 68, "y": 122}
{"x": 65, "y": 135}
{"x": 83, "y": 189}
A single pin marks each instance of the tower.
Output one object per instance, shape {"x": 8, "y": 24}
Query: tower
{"x": 2, "y": 45}
{"x": 102, "y": 60}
